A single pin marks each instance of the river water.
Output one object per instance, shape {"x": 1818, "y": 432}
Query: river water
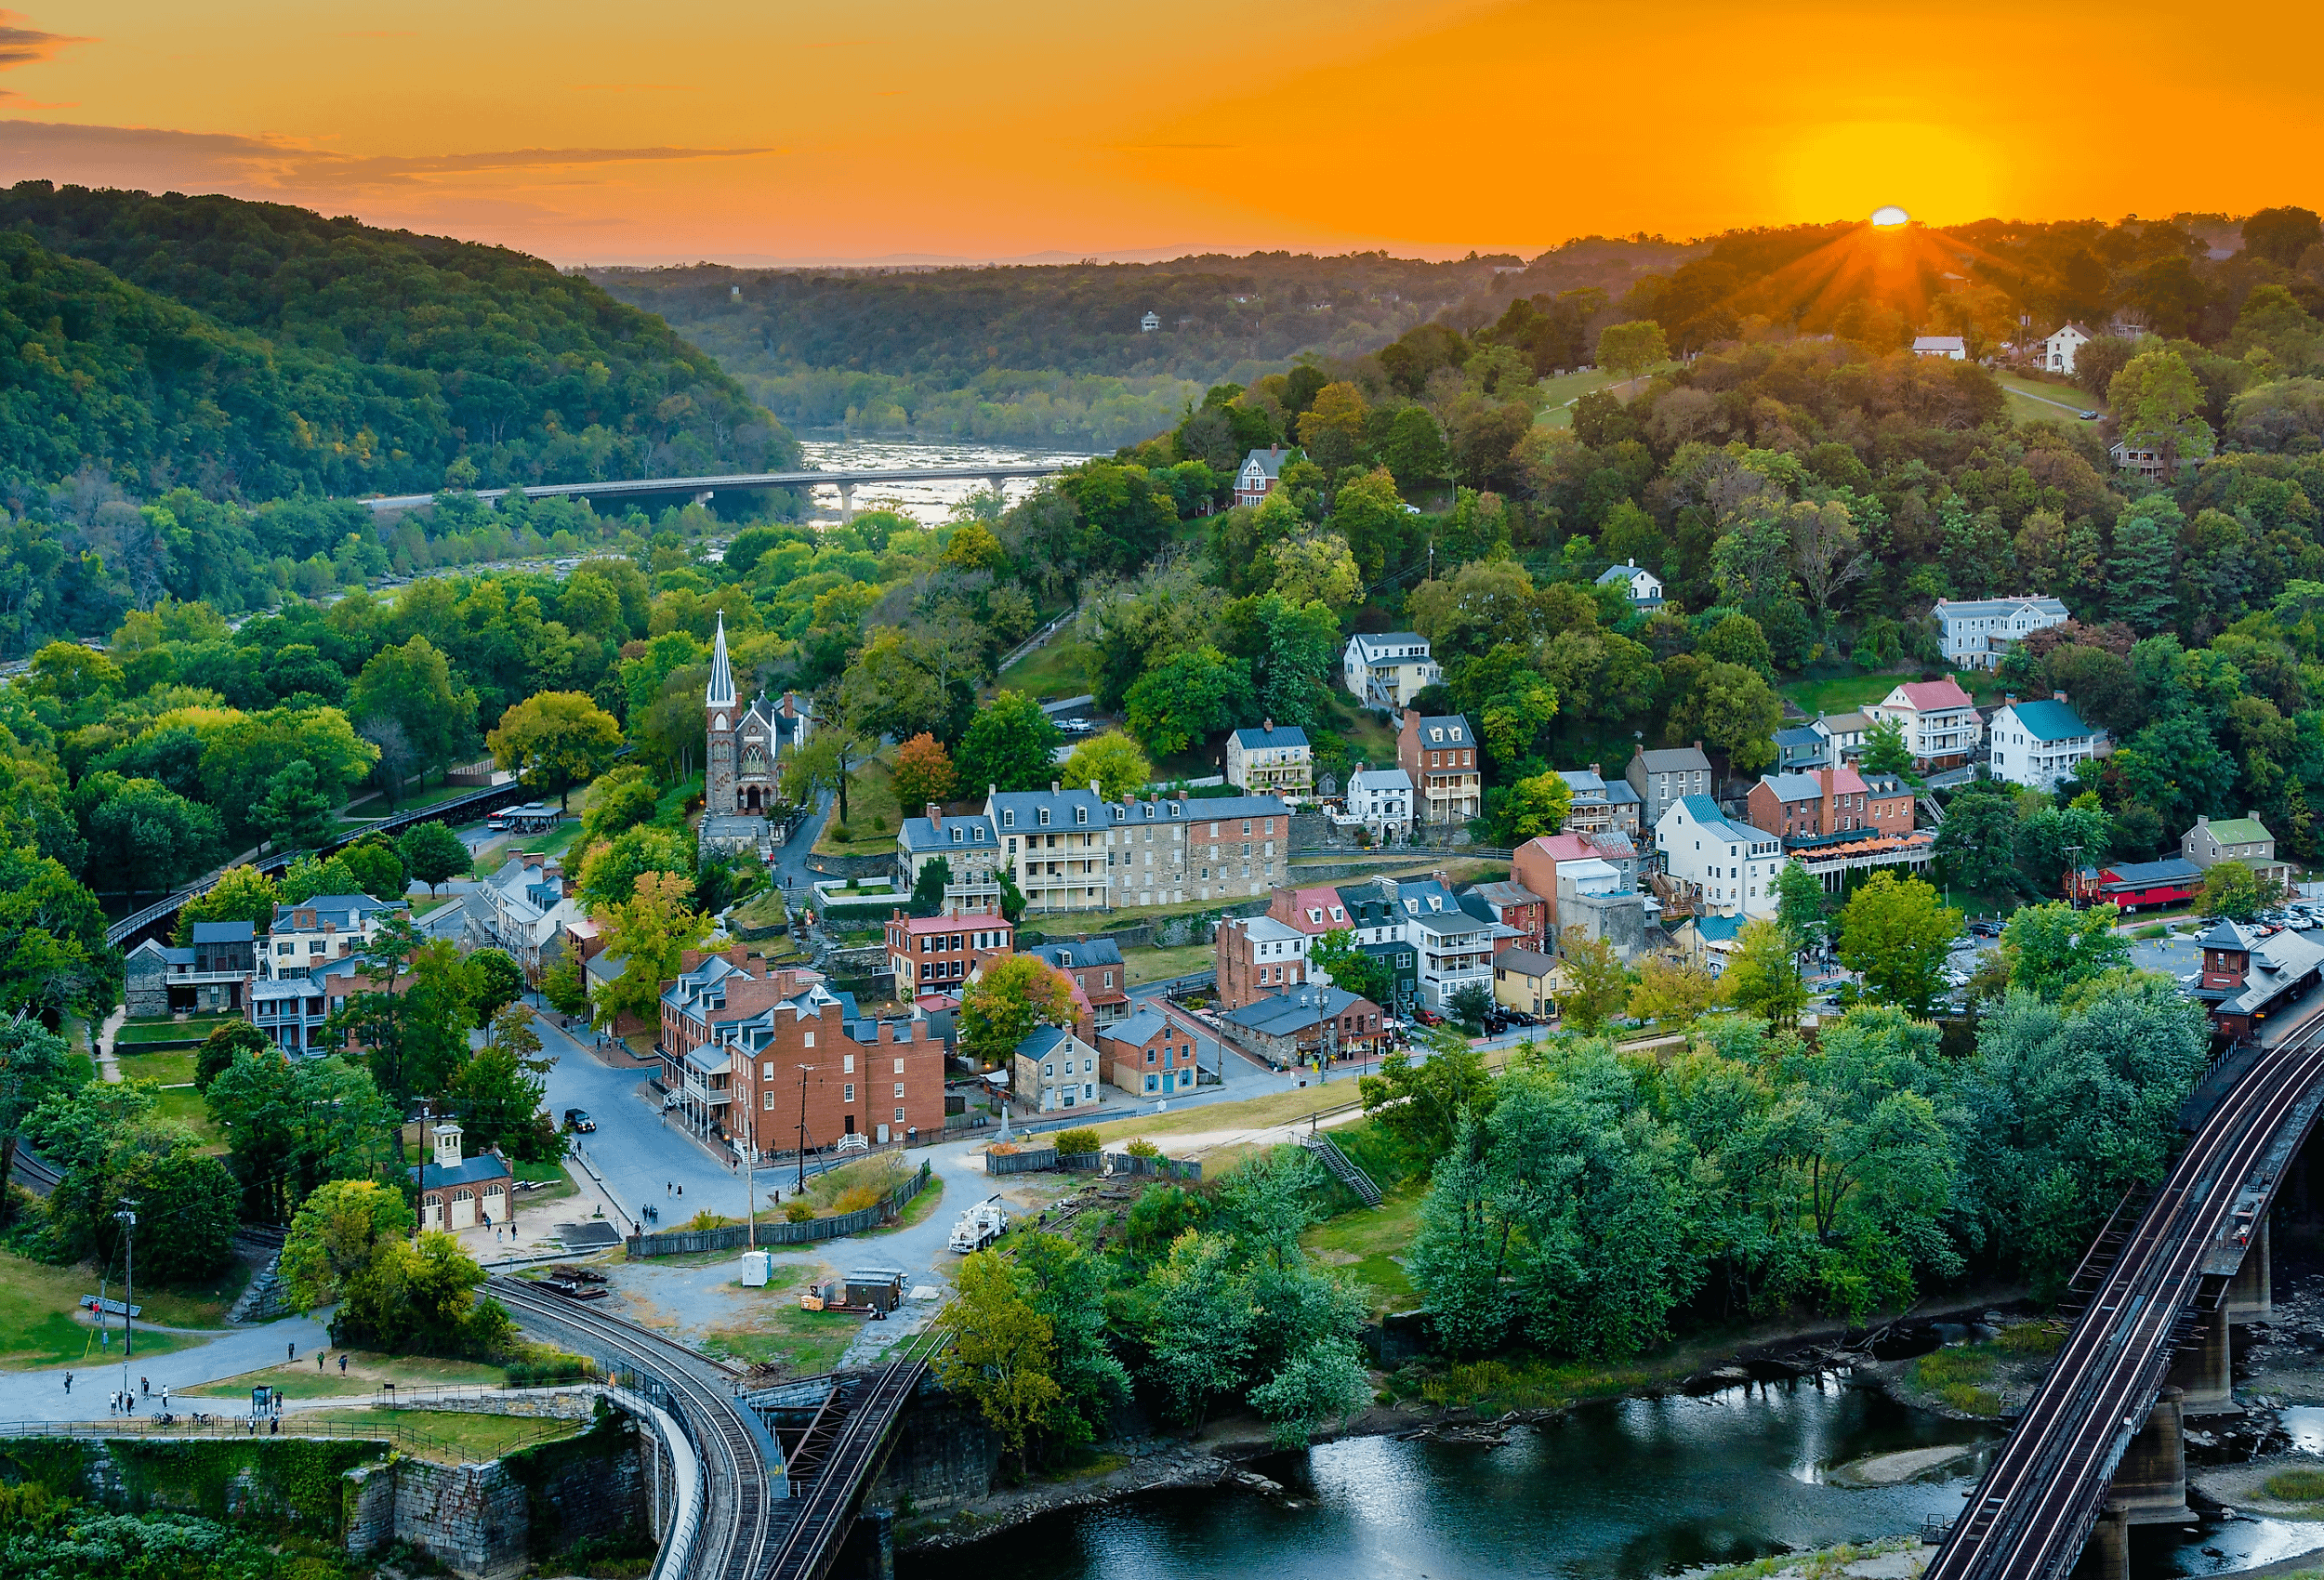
{"x": 926, "y": 503}
{"x": 1625, "y": 1488}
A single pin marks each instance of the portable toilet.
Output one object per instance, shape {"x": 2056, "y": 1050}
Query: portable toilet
{"x": 757, "y": 1267}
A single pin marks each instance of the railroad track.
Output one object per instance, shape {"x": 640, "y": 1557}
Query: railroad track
{"x": 848, "y": 1460}
{"x": 738, "y": 1515}
{"x": 2034, "y": 1507}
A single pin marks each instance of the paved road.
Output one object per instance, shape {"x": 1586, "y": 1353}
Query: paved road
{"x": 40, "y": 1396}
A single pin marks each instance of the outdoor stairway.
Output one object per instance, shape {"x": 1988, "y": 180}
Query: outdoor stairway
{"x": 263, "y": 1298}
{"x": 1342, "y": 1169}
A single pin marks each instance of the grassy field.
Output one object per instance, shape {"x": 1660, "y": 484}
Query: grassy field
{"x": 1366, "y": 1242}
{"x": 161, "y": 1029}
{"x": 1252, "y": 1114}
{"x": 1841, "y": 693}
{"x": 38, "y": 1327}
{"x": 873, "y": 815}
{"x": 365, "y": 1372}
{"x": 173, "y": 1069}
{"x": 446, "y": 1436}
{"x": 1059, "y": 668}
{"x": 809, "y": 1342}
{"x": 1160, "y": 964}
{"x": 2033, "y": 397}
{"x": 1562, "y": 392}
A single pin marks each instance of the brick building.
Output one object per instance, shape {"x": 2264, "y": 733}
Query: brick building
{"x": 1258, "y": 956}
{"x": 940, "y": 953}
{"x": 1147, "y": 1056}
{"x": 1094, "y": 966}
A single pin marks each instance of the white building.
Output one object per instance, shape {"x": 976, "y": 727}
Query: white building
{"x": 1456, "y": 948}
{"x": 1380, "y": 799}
{"x": 1643, "y": 587}
{"x": 1973, "y": 634}
{"x": 1951, "y": 348}
{"x": 2057, "y": 351}
{"x": 304, "y": 938}
{"x": 1261, "y": 470}
{"x": 1844, "y": 733}
{"x": 1940, "y": 723}
{"x": 1148, "y": 324}
{"x": 2037, "y": 744}
{"x": 1271, "y": 759}
{"x": 1386, "y": 672}
{"x": 1729, "y": 866}
{"x": 520, "y": 909}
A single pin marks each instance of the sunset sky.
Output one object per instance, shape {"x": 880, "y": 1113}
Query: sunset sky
{"x": 763, "y": 130}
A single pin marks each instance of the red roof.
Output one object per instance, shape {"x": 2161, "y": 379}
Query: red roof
{"x": 1928, "y": 696}
{"x": 1846, "y": 781}
{"x": 965, "y": 920}
{"x": 1566, "y": 847}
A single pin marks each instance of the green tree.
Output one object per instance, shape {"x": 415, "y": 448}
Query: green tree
{"x": 2051, "y": 948}
{"x": 564, "y": 987}
{"x": 497, "y": 982}
{"x": 1627, "y": 349}
{"x": 1111, "y": 761}
{"x": 1885, "y": 748}
{"x": 1198, "y": 1329}
{"x": 1009, "y": 745}
{"x": 496, "y": 1095}
{"x": 377, "y": 864}
{"x": 1733, "y": 711}
{"x": 1418, "y": 1105}
{"x": 420, "y": 1298}
{"x": 622, "y": 798}
{"x": 339, "y": 1227}
{"x": 222, "y": 1047}
{"x": 54, "y": 957}
{"x": 107, "y": 1142}
{"x": 1335, "y": 952}
{"x": 411, "y": 686}
{"x": 1186, "y": 698}
{"x": 34, "y": 1067}
{"x": 241, "y": 894}
{"x": 610, "y": 873}
{"x": 928, "y": 889}
{"x": 2157, "y": 403}
{"x": 1800, "y": 903}
{"x": 651, "y": 930}
{"x": 1976, "y": 846}
{"x": 293, "y": 1125}
{"x": 1672, "y": 993}
{"x": 1895, "y": 933}
{"x": 1763, "y": 975}
{"x": 1470, "y": 1004}
{"x": 2140, "y": 569}
{"x": 434, "y": 854}
{"x": 1003, "y": 1353}
{"x": 1013, "y": 996}
{"x": 1534, "y": 806}
{"x": 296, "y": 811}
{"x": 556, "y": 740}
{"x": 412, "y": 1012}
{"x": 2234, "y": 892}
{"x": 1597, "y": 984}
{"x": 143, "y": 836}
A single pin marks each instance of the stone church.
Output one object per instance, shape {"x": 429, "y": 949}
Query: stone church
{"x": 746, "y": 743}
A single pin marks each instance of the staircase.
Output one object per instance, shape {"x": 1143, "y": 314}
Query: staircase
{"x": 263, "y": 1298}
{"x": 1342, "y": 1169}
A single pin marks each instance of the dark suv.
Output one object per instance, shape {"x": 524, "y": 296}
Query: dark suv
{"x": 579, "y": 1119}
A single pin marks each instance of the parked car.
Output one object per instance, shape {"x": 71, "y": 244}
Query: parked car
{"x": 579, "y": 1119}
{"x": 1984, "y": 927}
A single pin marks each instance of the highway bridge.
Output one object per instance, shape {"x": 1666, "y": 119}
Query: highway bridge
{"x": 2098, "y": 1448}
{"x": 703, "y": 489}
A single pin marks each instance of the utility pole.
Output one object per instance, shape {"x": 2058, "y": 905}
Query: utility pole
{"x": 802, "y": 1126}
{"x": 127, "y": 1219}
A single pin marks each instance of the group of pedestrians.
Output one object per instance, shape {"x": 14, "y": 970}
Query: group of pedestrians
{"x": 124, "y": 1401}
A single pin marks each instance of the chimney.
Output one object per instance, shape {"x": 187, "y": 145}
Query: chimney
{"x": 1181, "y": 795}
{"x": 991, "y": 790}
{"x": 1267, "y": 725}
{"x": 936, "y": 817}
{"x": 1828, "y": 823}
{"x": 2057, "y": 696}
{"x": 1054, "y": 787}
{"x": 2009, "y": 698}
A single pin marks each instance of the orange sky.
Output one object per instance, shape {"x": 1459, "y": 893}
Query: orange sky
{"x": 773, "y": 129}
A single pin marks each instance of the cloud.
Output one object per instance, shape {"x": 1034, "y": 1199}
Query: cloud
{"x": 23, "y": 45}
{"x": 156, "y": 159}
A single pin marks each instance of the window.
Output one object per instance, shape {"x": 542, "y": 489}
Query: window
{"x": 847, "y": 1064}
{"x": 809, "y": 1041}
{"x": 1043, "y": 816}
{"x": 847, "y": 1093}
{"x": 770, "y": 1101}
{"x": 1008, "y": 818}
{"x": 899, "y": 1067}
{"x": 766, "y": 1071}
{"x": 899, "y": 1093}
{"x": 899, "y": 1112}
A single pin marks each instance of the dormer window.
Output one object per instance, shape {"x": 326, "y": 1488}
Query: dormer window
{"x": 955, "y": 836}
{"x": 1081, "y": 814}
{"x": 1008, "y": 818}
{"x": 1044, "y": 817}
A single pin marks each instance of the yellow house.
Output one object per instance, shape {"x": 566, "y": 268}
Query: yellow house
{"x": 1524, "y": 979}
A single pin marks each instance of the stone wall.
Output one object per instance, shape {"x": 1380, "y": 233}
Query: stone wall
{"x": 291, "y": 1483}
{"x": 946, "y": 1455}
{"x": 499, "y": 1517}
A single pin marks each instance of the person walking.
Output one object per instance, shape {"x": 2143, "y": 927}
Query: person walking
{"x": 145, "y": 1386}
{"x": 67, "y": 1382}
{"x": 294, "y": 1351}
{"x": 164, "y": 1397}
{"x": 343, "y": 1362}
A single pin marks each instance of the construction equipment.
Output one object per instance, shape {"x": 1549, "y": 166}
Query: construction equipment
{"x": 980, "y": 1226}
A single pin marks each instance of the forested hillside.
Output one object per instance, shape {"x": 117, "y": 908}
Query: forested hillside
{"x": 1056, "y": 354}
{"x": 256, "y": 352}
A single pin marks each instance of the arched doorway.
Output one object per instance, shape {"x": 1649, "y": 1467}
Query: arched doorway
{"x": 750, "y": 797}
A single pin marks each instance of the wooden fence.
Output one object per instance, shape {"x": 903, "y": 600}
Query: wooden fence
{"x": 1088, "y": 1163}
{"x": 681, "y": 1241}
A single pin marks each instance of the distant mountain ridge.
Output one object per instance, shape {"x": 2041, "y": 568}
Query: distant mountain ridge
{"x": 257, "y": 351}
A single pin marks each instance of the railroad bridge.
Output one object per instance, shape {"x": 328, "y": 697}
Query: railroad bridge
{"x": 702, "y": 490}
{"x": 2099, "y": 1447}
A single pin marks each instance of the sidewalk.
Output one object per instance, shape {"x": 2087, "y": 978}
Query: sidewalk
{"x": 40, "y": 1396}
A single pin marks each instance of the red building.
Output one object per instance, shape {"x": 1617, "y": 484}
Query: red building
{"x": 1513, "y": 904}
{"x": 2172, "y": 881}
{"x": 1256, "y": 957}
{"x": 939, "y": 954}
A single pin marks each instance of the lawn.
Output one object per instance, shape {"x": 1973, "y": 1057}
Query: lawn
{"x": 365, "y": 1372}
{"x": 1160, "y": 965}
{"x": 188, "y": 1108}
{"x": 1563, "y": 391}
{"x": 38, "y": 1329}
{"x": 556, "y": 1184}
{"x": 1841, "y": 693}
{"x": 1059, "y": 668}
{"x": 160, "y": 1029}
{"x": 1367, "y": 1240}
{"x": 445, "y": 1436}
{"x": 809, "y": 1342}
{"x": 2045, "y": 399}
{"x": 162, "y": 1069}
{"x": 916, "y": 1210}
{"x": 1252, "y": 1114}
{"x": 873, "y": 815}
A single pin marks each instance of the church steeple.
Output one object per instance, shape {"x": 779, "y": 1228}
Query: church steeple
{"x": 721, "y": 690}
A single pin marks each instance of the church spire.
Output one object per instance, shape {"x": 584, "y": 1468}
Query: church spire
{"x": 721, "y": 690}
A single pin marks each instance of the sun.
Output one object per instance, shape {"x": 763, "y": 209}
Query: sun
{"x": 1890, "y": 217}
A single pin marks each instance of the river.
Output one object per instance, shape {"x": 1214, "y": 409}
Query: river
{"x": 1624, "y": 1488}
{"x": 926, "y": 503}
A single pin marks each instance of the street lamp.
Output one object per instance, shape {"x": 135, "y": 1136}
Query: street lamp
{"x": 802, "y": 1126}
{"x": 127, "y": 1219}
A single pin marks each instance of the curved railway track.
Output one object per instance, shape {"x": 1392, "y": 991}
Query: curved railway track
{"x": 2034, "y": 1507}
{"x": 824, "y": 1505}
{"x": 739, "y": 1517}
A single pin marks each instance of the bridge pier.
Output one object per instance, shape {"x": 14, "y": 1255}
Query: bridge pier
{"x": 870, "y": 1550}
{"x": 2205, "y": 1370}
{"x": 2150, "y": 1483}
{"x": 999, "y": 487}
{"x": 2106, "y": 1554}
{"x": 2251, "y": 1298}
{"x": 847, "y": 503}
